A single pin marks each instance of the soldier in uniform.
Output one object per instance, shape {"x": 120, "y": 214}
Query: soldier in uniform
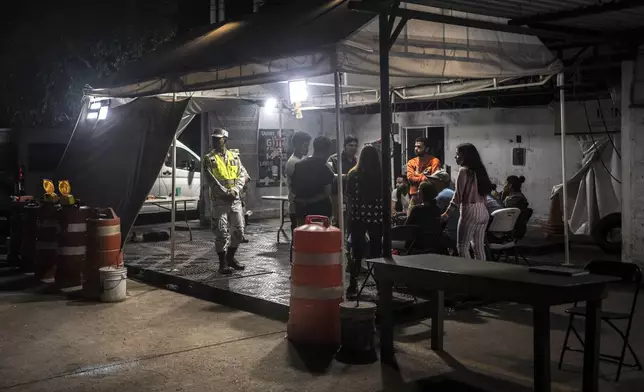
{"x": 225, "y": 177}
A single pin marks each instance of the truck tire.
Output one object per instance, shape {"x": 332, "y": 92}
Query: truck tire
{"x": 604, "y": 233}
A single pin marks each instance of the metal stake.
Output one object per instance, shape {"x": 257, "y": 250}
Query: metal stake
{"x": 562, "y": 109}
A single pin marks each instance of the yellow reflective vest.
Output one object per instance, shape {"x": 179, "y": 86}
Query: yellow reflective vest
{"x": 224, "y": 168}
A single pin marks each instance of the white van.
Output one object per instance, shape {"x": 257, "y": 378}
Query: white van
{"x": 187, "y": 178}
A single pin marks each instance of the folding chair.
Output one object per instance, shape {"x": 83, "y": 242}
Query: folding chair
{"x": 404, "y": 234}
{"x": 630, "y": 275}
{"x": 520, "y": 229}
{"x": 500, "y": 234}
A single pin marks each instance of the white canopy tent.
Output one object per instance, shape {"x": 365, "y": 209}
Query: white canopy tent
{"x": 336, "y": 50}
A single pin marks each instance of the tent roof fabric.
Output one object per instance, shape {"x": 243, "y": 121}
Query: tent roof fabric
{"x": 303, "y": 28}
{"x": 319, "y": 37}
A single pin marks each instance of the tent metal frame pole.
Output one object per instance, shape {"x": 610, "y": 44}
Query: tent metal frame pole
{"x": 173, "y": 209}
{"x": 281, "y": 146}
{"x": 339, "y": 146}
{"x": 562, "y": 110}
{"x": 385, "y": 130}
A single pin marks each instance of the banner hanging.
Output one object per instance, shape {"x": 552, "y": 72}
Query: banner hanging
{"x": 269, "y": 150}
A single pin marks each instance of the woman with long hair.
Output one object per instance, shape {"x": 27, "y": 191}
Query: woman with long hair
{"x": 472, "y": 186}
{"x": 364, "y": 196}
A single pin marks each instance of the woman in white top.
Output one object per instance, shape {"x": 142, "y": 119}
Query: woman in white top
{"x": 472, "y": 186}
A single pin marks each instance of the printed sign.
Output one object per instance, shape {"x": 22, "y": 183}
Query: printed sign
{"x": 272, "y": 154}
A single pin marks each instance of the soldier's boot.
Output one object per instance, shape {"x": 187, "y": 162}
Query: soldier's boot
{"x": 230, "y": 259}
{"x": 224, "y": 269}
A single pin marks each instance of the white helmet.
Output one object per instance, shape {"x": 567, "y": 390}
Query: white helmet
{"x": 219, "y": 132}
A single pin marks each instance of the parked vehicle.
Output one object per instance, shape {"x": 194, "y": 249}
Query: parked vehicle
{"x": 187, "y": 179}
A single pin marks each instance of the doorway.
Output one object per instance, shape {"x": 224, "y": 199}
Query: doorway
{"x": 435, "y": 141}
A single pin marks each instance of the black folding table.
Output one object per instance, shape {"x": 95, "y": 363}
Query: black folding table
{"x": 500, "y": 282}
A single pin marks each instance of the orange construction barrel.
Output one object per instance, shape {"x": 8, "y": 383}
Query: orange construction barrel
{"x": 29, "y": 232}
{"x": 555, "y": 225}
{"x": 46, "y": 242}
{"x": 103, "y": 248}
{"x": 316, "y": 283}
{"x": 72, "y": 241}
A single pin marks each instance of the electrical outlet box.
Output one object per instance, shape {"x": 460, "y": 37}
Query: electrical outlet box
{"x": 518, "y": 156}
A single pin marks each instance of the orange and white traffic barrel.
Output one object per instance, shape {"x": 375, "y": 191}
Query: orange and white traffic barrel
{"x": 29, "y": 232}
{"x": 316, "y": 283}
{"x": 72, "y": 245}
{"x": 46, "y": 242}
{"x": 103, "y": 249}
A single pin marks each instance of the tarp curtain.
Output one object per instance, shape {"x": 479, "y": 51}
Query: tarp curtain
{"x": 114, "y": 162}
{"x": 594, "y": 191}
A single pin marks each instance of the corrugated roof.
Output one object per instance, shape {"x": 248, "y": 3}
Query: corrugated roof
{"x": 612, "y": 21}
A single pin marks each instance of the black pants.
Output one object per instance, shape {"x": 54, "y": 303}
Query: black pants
{"x": 359, "y": 246}
{"x": 293, "y": 218}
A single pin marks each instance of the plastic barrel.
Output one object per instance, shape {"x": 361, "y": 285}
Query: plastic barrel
{"x": 555, "y": 225}
{"x": 46, "y": 242}
{"x": 103, "y": 249}
{"x": 316, "y": 283}
{"x": 72, "y": 245}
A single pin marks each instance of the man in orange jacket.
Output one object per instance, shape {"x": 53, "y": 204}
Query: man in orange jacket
{"x": 419, "y": 168}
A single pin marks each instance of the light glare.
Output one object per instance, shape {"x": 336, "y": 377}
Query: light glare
{"x": 92, "y": 115}
{"x": 298, "y": 91}
{"x": 270, "y": 103}
{"x": 102, "y": 113}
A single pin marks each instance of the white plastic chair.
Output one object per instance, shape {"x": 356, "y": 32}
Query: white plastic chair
{"x": 500, "y": 238}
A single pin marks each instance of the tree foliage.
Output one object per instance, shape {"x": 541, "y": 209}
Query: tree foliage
{"x": 57, "y": 48}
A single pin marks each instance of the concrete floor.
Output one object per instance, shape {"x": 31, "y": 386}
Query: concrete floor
{"x": 159, "y": 340}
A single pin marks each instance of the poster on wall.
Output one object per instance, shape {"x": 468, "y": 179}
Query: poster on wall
{"x": 269, "y": 149}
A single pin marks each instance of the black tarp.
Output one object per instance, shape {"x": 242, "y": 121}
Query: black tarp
{"x": 114, "y": 162}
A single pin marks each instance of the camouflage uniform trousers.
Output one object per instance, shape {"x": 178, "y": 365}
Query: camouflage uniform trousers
{"x": 227, "y": 223}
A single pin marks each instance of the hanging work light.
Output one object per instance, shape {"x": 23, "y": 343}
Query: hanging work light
{"x": 98, "y": 109}
{"x": 270, "y": 104}
{"x": 297, "y": 90}
{"x": 102, "y": 113}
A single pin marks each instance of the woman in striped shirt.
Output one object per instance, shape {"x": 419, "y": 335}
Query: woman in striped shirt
{"x": 472, "y": 186}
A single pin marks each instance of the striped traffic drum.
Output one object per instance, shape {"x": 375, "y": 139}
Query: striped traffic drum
{"x": 103, "y": 248}
{"x": 72, "y": 241}
{"x": 46, "y": 242}
{"x": 554, "y": 227}
{"x": 316, "y": 283}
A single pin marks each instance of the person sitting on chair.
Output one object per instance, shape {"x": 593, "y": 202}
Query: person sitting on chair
{"x": 400, "y": 200}
{"x": 441, "y": 182}
{"x": 427, "y": 216}
{"x": 512, "y": 196}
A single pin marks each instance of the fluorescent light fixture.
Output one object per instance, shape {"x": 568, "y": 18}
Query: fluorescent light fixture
{"x": 95, "y": 105}
{"x": 92, "y": 115}
{"x": 298, "y": 91}
{"x": 270, "y": 103}
{"x": 102, "y": 113}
